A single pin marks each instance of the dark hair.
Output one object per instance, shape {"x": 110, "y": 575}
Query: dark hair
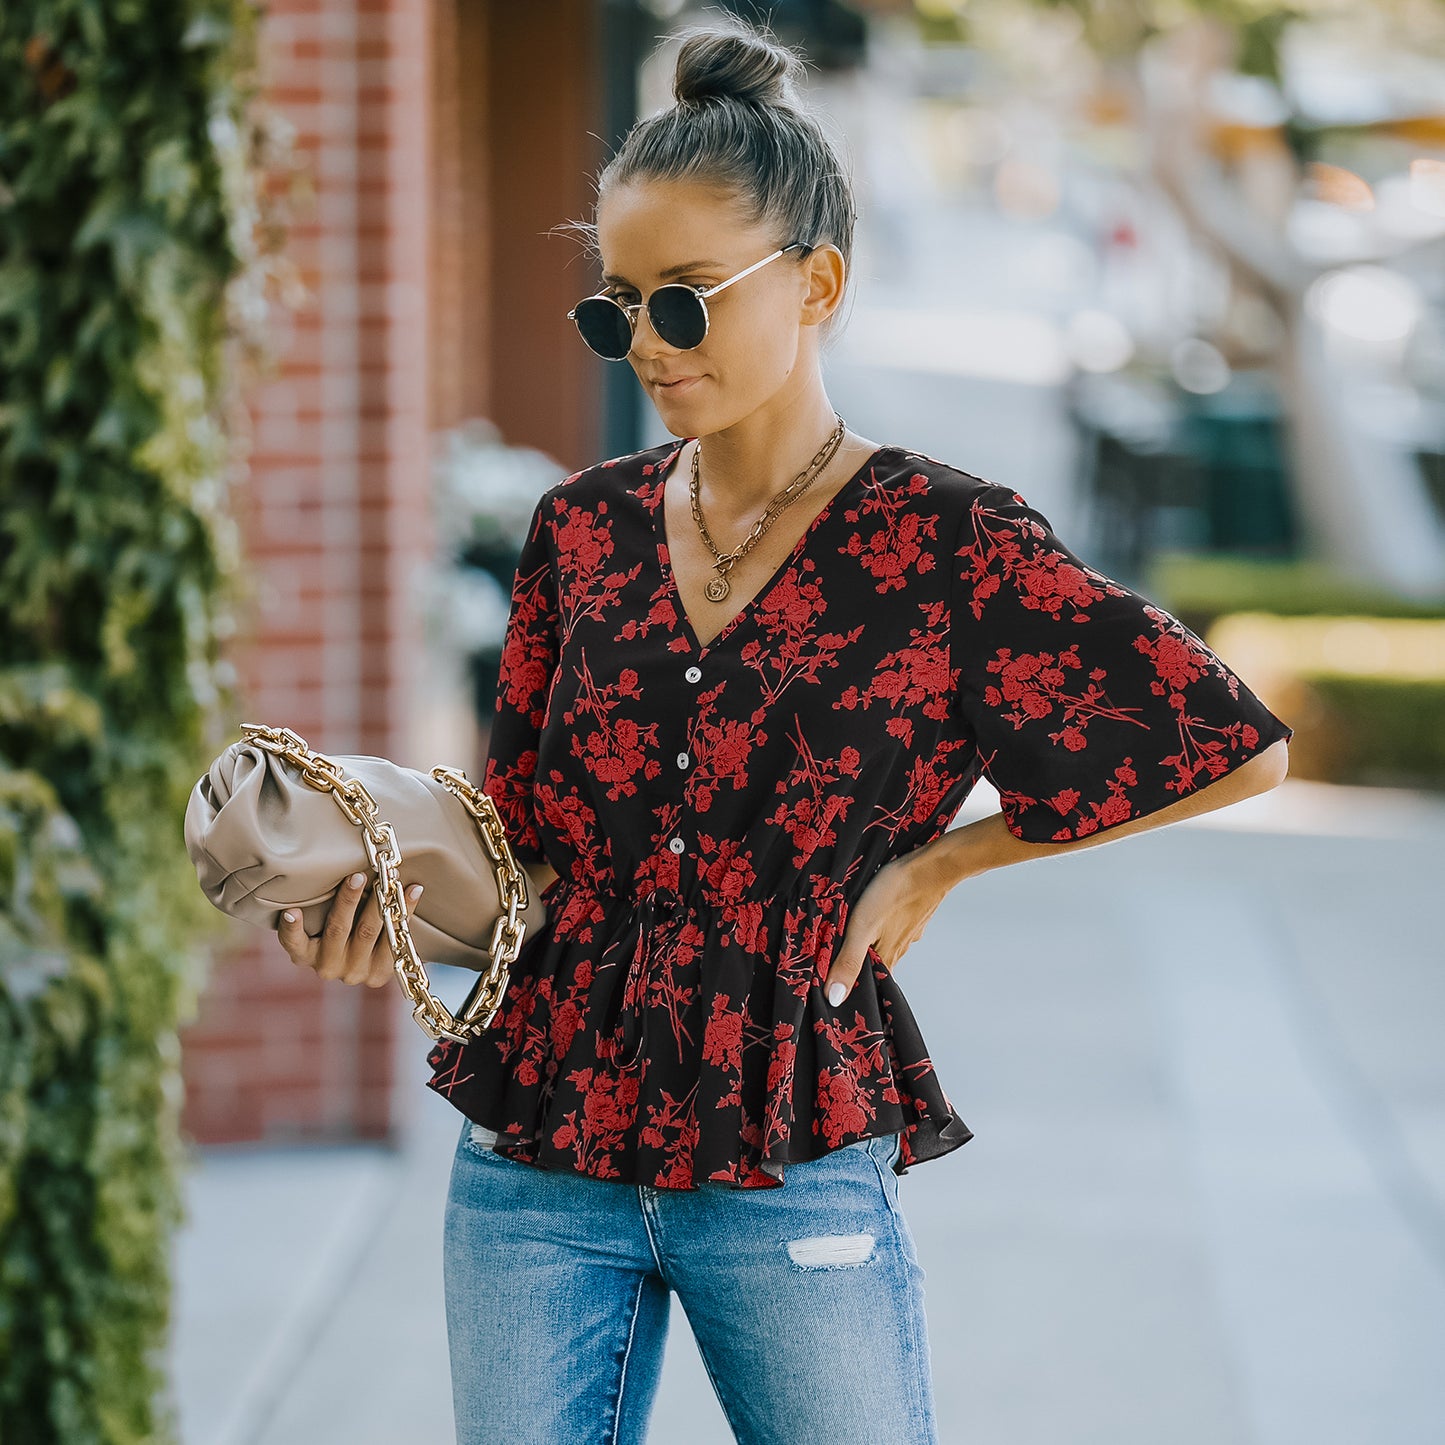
{"x": 739, "y": 124}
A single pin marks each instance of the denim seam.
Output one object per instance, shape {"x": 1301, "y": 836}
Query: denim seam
{"x": 644, "y": 1208}
{"x": 734, "y": 1424}
{"x": 626, "y": 1358}
{"x": 645, "y": 1202}
{"x": 916, "y": 1346}
{"x": 881, "y": 1165}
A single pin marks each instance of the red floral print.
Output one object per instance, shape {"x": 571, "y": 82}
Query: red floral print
{"x": 714, "y": 811}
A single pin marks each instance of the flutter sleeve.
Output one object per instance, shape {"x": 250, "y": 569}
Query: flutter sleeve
{"x": 530, "y": 651}
{"x": 1090, "y": 705}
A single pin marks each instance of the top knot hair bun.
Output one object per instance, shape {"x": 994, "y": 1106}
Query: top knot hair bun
{"x": 742, "y": 127}
{"x": 734, "y": 61}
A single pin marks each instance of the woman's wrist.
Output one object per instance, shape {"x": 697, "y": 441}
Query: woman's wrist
{"x": 970, "y": 849}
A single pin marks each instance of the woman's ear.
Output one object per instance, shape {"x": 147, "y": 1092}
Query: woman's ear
{"x": 827, "y": 274}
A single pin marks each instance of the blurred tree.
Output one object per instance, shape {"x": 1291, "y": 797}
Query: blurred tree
{"x": 133, "y": 247}
{"x": 1166, "y": 68}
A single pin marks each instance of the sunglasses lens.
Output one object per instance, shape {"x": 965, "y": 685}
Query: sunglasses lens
{"x": 603, "y": 326}
{"x": 678, "y": 316}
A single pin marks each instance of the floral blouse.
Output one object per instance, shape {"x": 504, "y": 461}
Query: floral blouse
{"x": 714, "y": 811}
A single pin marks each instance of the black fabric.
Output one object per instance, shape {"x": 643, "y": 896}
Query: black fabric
{"x": 668, "y": 1024}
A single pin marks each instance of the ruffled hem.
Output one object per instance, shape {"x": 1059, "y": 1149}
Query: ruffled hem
{"x": 745, "y": 1067}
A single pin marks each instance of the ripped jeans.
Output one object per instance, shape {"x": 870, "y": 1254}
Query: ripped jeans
{"x": 806, "y": 1302}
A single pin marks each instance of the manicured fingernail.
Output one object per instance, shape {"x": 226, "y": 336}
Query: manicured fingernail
{"x": 357, "y": 879}
{"x": 289, "y": 917}
{"x": 416, "y": 891}
{"x": 836, "y": 991}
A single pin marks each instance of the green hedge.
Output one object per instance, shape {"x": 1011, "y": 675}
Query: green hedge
{"x": 1197, "y": 589}
{"x": 127, "y": 204}
{"x": 1372, "y": 731}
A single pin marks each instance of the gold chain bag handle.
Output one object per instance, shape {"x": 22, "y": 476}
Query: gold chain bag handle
{"x": 352, "y": 797}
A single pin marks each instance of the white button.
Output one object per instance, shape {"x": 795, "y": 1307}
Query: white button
{"x": 682, "y": 760}
{"x": 677, "y": 845}
{"x": 693, "y": 674}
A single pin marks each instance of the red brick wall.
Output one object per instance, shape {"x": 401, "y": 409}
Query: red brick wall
{"x": 335, "y": 515}
{"x": 461, "y": 310}
{"x": 543, "y": 89}
{"x": 443, "y": 140}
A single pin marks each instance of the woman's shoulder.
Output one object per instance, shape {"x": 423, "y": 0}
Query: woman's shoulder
{"x": 603, "y": 485}
{"x": 621, "y": 473}
{"x": 902, "y": 474}
{"x": 906, "y": 473}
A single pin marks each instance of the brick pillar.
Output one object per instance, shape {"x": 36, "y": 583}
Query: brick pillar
{"x": 336, "y": 519}
{"x": 545, "y": 102}
{"x": 443, "y": 140}
{"x": 461, "y": 312}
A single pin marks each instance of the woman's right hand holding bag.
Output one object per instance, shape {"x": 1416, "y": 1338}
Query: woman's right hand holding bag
{"x": 352, "y": 945}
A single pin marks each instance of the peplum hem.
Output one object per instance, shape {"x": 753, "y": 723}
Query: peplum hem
{"x": 716, "y": 1060}
{"x": 713, "y": 809}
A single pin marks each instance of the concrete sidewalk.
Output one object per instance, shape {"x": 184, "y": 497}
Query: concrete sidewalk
{"x": 1205, "y": 1201}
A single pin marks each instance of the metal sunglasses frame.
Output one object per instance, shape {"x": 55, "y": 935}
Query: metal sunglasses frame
{"x": 630, "y": 309}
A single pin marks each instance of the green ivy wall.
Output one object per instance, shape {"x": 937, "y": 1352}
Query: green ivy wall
{"x": 126, "y": 206}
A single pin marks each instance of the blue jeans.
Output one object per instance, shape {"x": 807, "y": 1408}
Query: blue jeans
{"x": 806, "y": 1302}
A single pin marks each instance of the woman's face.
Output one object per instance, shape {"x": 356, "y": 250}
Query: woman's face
{"x": 762, "y": 339}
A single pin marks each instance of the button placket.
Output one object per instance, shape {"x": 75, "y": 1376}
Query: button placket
{"x": 693, "y": 674}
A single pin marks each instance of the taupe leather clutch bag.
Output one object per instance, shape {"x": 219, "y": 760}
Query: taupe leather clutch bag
{"x": 272, "y": 825}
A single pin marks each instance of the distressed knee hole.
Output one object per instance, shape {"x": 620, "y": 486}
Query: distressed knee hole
{"x": 828, "y": 1251}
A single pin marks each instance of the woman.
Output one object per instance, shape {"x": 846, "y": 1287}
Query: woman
{"x": 748, "y": 679}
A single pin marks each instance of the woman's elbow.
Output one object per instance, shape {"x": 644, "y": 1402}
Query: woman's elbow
{"x": 1269, "y": 768}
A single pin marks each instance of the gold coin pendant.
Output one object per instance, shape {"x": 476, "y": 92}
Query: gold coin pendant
{"x": 716, "y": 589}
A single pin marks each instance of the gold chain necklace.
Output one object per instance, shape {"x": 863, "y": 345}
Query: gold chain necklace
{"x": 718, "y": 587}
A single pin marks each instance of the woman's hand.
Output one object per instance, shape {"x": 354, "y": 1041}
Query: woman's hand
{"x": 355, "y": 950}
{"x": 890, "y": 915}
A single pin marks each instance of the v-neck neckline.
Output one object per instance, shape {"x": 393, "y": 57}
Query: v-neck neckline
{"x": 660, "y": 528}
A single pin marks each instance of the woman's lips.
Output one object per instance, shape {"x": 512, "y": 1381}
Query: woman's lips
{"x": 676, "y": 387}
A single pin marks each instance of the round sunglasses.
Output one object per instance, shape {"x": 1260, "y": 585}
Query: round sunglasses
{"x": 678, "y": 313}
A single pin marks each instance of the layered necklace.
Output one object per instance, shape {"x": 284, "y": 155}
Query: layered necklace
{"x": 718, "y": 587}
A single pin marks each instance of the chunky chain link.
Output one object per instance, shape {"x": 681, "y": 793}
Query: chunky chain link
{"x": 724, "y": 562}
{"x": 356, "y": 802}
